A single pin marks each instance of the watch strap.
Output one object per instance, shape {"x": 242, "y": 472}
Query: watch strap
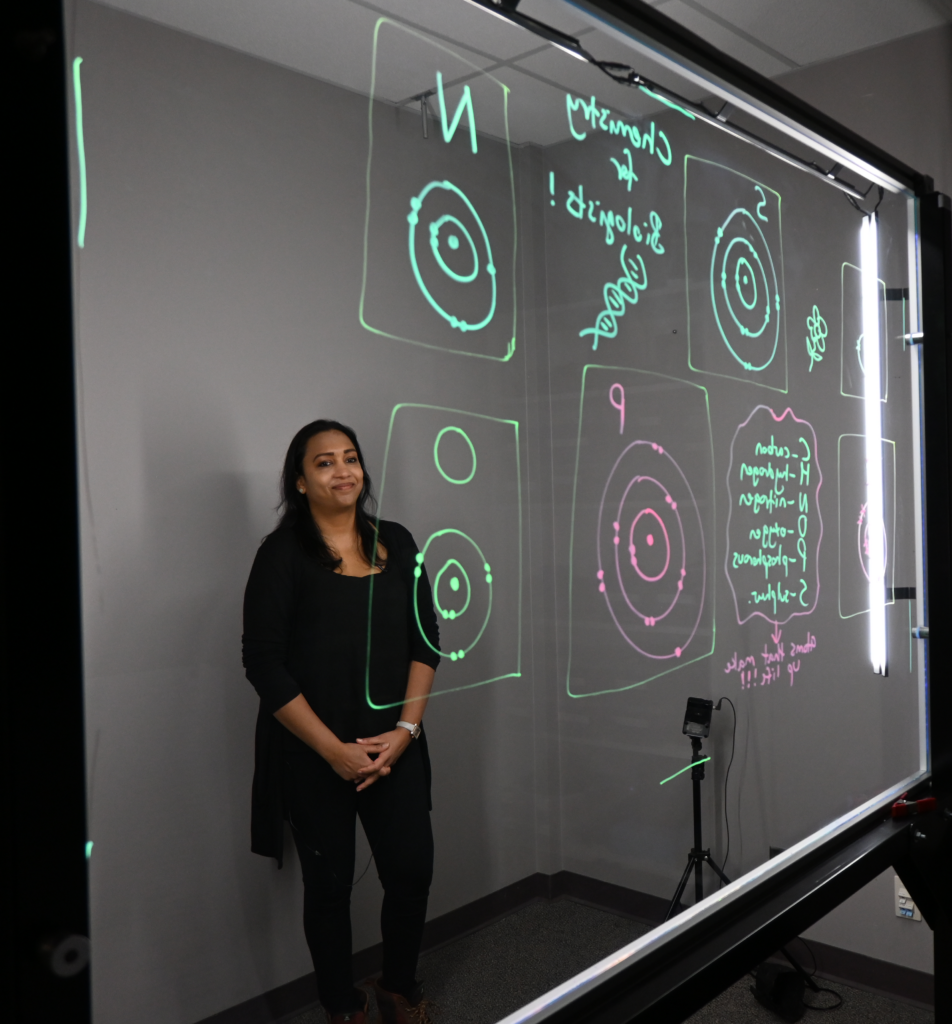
{"x": 412, "y": 728}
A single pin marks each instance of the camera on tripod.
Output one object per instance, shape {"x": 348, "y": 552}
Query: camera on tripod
{"x": 774, "y": 989}
{"x": 697, "y": 726}
{"x": 697, "y": 717}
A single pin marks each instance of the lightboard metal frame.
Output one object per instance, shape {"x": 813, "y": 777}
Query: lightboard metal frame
{"x": 788, "y": 896}
{"x": 709, "y": 945}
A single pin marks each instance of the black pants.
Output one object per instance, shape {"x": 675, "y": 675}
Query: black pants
{"x": 322, "y": 809}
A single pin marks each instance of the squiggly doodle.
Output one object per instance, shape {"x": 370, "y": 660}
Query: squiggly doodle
{"x": 816, "y": 338}
{"x": 617, "y": 293}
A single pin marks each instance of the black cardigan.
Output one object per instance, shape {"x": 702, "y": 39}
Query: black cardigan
{"x": 306, "y": 631}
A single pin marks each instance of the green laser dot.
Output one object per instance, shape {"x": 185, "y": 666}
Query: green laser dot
{"x": 460, "y": 654}
{"x": 419, "y": 557}
{"x": 453, "y": 656}
{"x": 454, "y": 583}
{"x": 486, "y": 566}
{"x": 489, "y": 578}
{"x": 89, "y": 844}
{"x": 418, "y": 572}
{"x": 452, "y": 614}
{"x": 453, "y": 242}
{"x": 682, "y": 770}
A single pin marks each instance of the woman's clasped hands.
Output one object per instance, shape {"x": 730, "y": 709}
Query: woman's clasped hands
{"x": 370, "y": 758}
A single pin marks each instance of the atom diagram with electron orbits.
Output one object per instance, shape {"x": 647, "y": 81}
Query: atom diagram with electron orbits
{"x": 744, "y": 291}
{"x": 649, "y": 538}
{"x": 453, "y": 588}
{"x": 862, "y": 544}
{"x": 454, "y": 251}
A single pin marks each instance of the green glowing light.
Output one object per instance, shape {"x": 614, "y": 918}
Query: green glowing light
{"x": 816, "y": 336}
{"x": 89, "y": 849}
{"x": 761, "y": 204}
{"x": 748, "y": 278}
{"x": 454, "y": 656}
{"x": 80, "y": 152}
{"x": 698, "y": 187}
{"x": 667, "y": 102}
{"x": 454, "y": 586}
{"x": 743, "y": 262}
{"x": 436, "y": 456}
{"x": 364, "y": 315}
{"x": 744, "y": 276}
{"x": 465, "y": 103}
{"x": 453, "y": 242}
{"x": 413, "y": 218}
{"x": 498, "y": 674}
{"x": 683, "y": 770}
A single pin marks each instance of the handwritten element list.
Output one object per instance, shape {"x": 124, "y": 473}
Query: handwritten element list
{"x": 774, "y": 527}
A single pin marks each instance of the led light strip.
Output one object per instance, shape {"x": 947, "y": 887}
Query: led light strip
{"x": 869, "y": 239}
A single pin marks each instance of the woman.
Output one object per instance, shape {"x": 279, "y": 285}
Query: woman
{"x": 339, "y": 727}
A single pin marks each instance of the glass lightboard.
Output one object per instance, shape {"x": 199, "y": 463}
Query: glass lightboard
{"x": 645, "y": 394}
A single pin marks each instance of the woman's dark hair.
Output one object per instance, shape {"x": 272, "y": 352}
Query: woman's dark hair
{"x": 295, "y": 511}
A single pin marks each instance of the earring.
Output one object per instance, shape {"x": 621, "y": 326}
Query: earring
{"x": 302, "y": 490}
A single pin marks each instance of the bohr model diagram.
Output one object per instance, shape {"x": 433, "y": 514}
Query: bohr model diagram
{"x": 862, "y": 546}
{"x": 451, "y": 256}
{"x": 460, "y": 576}
{"x": 651, "y": 559}
{"x": 744, "y": 291}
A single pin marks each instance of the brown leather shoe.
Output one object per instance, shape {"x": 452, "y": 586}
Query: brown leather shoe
{"x": 352, "y": 1016}
{"x": 397, "y": 1009}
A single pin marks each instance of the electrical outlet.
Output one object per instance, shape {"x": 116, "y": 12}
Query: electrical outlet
{"x": 904, "y": 905}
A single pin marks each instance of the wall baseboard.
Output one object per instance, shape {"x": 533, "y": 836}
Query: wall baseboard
{"x": 870, "y": 975}
{"x": 841, "y": 965}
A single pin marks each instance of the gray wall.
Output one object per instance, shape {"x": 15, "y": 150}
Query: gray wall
{"x": 217, "y": 298}
{"x": 898, "y": 96}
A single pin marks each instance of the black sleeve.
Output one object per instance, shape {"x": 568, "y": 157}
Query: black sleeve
{"x": 269, "y": 601}
{"x": 423, "y": 650}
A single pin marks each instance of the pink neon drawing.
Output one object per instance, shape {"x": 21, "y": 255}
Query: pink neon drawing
{"x": 619, "y": 405}
{"x": 645, "y": 507}
{"x": 631, "y": 545}
{"x": 862, "y": 544}
{"x": 652, "y": 619}
{"x": 772, "y": 619}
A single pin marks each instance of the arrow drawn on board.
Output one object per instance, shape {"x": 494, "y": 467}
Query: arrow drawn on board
{"x": 777, "y": 633}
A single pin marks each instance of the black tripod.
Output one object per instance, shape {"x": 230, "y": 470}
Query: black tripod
{"x": 697, "y": 857}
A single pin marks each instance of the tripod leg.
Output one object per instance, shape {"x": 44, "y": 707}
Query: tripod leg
{"x": 806, "y": 978}
{"x": 717, "y": 871}
{"x": 673, "y": 907}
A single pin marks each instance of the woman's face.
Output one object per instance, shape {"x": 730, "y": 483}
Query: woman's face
{"x": 333, "y": 477}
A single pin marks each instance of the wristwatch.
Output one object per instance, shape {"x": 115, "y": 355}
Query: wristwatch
{"x": 413, "y": 730}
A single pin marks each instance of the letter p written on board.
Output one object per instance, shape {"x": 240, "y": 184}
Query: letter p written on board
{"x": 619, "y": 404}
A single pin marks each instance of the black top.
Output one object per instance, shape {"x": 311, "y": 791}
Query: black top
{"x": 306, "y": 631}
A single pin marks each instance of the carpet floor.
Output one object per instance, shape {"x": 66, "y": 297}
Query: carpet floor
{"x": 483, "y": 977}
